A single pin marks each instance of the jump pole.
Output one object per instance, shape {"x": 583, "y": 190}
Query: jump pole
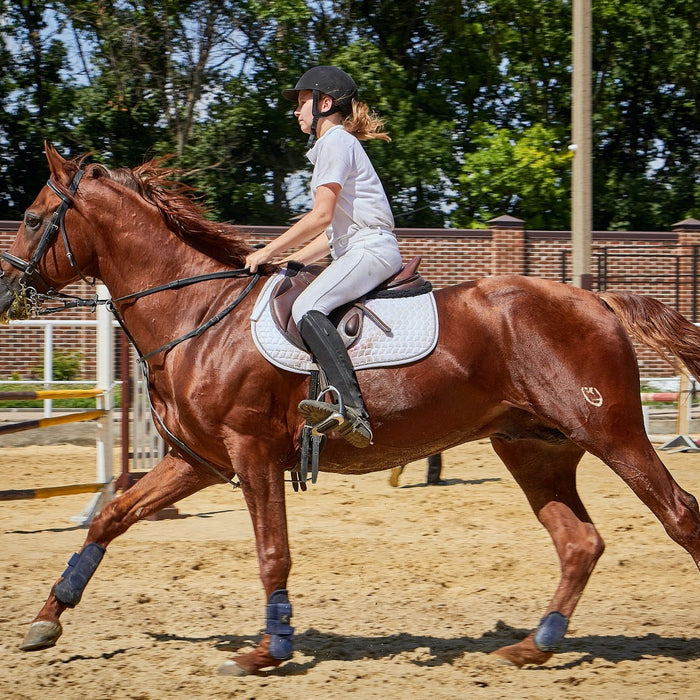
{"x": 49, "y": 492}
{"x": 103, "y": 393}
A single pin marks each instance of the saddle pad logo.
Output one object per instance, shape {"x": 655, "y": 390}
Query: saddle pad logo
{"x": 414, "y": 331}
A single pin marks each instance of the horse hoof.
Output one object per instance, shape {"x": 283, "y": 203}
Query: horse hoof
{"x": 498, "y": 660}
{"x": 231, "y": 668}
{"x": 42, "y": 635}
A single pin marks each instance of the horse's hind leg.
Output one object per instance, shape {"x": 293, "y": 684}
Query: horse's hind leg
{"x": 634, "y": 459}
{"x": 547, "y": 474}
{"x": 171, "y": 480}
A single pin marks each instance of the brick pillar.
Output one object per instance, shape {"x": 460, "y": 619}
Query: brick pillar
{"x": 507, "y": 245}
{"x": 688, "y": 249}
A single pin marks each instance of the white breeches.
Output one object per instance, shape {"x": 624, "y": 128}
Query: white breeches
{"x": 358, "y": 270}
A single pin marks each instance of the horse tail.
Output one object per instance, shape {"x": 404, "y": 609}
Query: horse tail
{"x": 658, "y": 327}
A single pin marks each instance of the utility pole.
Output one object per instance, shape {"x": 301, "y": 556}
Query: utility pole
{"x": 581, "y": 170}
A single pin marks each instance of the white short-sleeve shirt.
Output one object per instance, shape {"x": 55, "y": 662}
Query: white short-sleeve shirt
{"x": 339, "y": 157}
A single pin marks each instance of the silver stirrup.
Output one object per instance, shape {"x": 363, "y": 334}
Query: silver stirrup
{"x": 335, "y": 419}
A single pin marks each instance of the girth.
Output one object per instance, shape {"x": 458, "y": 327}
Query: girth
{"x": 407, "y": 282}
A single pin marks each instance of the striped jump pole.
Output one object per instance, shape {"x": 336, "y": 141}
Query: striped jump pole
{"x": 660, "y": 397}
{"x": 54, "y": 420}
{"x": 49, "y": 492}
{"x": 102, "y": 487}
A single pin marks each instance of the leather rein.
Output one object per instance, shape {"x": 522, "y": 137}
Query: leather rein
{"x": 30, "y": 278}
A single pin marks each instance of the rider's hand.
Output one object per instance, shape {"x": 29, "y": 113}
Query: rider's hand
{"x": 257, "y": 258}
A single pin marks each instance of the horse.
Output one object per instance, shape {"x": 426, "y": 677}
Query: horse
{"x": 545, "y": 370}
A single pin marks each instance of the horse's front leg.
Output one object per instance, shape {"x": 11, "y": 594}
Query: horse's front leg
{"x": 171, "y": 480}
{"x": 263, "y": 489}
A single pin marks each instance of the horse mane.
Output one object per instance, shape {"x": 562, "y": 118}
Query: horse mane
{"x": 181, "y": 213}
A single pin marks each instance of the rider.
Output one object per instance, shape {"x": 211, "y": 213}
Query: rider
{"x": 350, "y": 218}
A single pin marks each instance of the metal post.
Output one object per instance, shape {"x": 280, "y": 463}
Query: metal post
{"x": 124, "y": 481}
{"x": 694, "y": 283}
{"x": 562, "y": 265}
{"x": 48, "y": 367}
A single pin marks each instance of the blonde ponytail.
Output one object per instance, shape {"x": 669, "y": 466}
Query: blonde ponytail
{"x": 365, "y": 124}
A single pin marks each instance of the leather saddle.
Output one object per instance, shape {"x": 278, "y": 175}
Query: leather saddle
{"x": 348, "y": 318}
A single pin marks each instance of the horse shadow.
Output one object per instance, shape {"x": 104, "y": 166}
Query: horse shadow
{"x": 70, "y": 528}
{"x": 317, "y": 646}
{"x": 452, "y": 482}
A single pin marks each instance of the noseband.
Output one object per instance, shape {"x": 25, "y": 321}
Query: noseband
{"x": 30, "y": 274}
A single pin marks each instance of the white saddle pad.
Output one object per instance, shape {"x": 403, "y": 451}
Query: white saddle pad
{"x": 414, "y": 331}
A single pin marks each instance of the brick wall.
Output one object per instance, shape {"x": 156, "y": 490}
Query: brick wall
{"x": 661, "y": 264}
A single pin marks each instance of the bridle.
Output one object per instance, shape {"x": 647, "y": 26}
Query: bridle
{"x": 32, "y": 298}
{"x": 31, "y": 275}
{"x": 30, "y": 272}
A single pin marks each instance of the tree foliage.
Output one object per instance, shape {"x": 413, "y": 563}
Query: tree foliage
{"x": 477, "y": 97}
{"x": 526, "y": 174}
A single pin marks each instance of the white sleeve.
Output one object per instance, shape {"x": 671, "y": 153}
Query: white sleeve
{"x": 332, "y": 165}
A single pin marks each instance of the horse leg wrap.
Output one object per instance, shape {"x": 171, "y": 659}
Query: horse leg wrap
{"x": 80, "y": 569}
{"x": 550, "y": 631}
{"x": 278, "y": 615}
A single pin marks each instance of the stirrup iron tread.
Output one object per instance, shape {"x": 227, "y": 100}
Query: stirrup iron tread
{"x": 326, "y": 417}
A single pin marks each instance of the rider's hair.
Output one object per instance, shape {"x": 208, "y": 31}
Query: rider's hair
{"x": 365, "y": 124}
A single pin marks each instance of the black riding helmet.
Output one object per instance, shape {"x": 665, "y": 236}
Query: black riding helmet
{"x": 325, "y": 80}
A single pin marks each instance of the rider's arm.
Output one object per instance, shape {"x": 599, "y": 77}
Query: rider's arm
{"x": 318, "y": 219}
{"x": 311, "y": 252}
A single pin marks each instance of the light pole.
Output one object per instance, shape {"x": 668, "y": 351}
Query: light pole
{"x": 581, "y": 171}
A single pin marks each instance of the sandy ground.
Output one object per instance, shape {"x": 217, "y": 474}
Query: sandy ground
{"x": 397, "y": 592}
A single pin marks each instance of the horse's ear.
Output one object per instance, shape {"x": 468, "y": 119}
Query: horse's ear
{"x": 59, "y": 166}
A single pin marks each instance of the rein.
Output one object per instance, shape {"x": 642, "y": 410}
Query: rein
{"x": 30, "y": 275}
{"x": 176, "y": 285}
{"x": 143, "y": 359}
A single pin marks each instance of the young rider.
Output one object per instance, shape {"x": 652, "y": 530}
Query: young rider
{"x": 352, "y": 219}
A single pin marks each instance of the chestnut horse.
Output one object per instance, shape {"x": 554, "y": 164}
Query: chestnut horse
{"x": 545, "y": 370}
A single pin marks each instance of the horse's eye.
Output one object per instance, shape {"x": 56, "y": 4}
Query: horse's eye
{"x": 32, "y": 221}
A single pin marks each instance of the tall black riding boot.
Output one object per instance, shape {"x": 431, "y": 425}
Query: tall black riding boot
{"x": 325, "y": 344}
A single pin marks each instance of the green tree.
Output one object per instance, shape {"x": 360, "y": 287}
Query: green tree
{"x": 35, "y": 100}
{"x": 461, "y": 85}
{"x": 523, "y": 173}
{"x": 646, "y": 113}
{"x": 246, "y": 150}
{"x": 426, "y": 64}
{"x": 148, "y": 67}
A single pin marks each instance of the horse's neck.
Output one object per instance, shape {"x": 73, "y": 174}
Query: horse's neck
{"x": 143, "y": 254}
{"x": 134, "y": 260}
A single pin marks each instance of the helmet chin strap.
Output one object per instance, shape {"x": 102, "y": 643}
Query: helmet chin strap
{"x": 316, "y": 113}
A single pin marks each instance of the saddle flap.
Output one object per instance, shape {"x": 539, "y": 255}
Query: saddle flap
{"x": 295, "y": 281}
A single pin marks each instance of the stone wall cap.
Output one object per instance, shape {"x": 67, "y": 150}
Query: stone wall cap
{"x": 506, "y": 221}
{"x": 687, "y": 225}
